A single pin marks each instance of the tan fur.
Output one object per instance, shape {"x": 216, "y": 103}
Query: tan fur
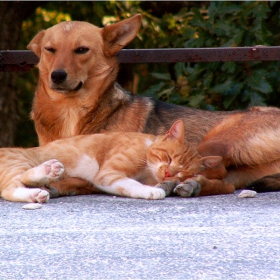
{"x": 58, "y": 111}
{"x": 248, "y": 143}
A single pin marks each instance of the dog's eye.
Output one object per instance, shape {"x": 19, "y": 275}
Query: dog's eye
{"x": 81, "y": 50}
{"x": 51, "y": 50}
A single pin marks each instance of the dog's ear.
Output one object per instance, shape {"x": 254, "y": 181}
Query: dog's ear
{"x": 211, "y": 162}
{"x": 35, "y": 44}
{"x": 212, "y": 167}
{"x": 118, "y": 35}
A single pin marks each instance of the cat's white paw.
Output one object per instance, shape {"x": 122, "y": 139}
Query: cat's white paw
{"x": 23, "y": 194}
{"x": 53, "y": 168}
{"x": 155, "y": 193}
{"x": 131, "y": 188}
{"x": 39, "y": 195}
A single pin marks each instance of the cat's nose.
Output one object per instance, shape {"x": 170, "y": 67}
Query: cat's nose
{"x": 167, "y": 173}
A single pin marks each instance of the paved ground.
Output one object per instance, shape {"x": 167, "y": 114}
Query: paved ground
{"x": 105, "y": 237}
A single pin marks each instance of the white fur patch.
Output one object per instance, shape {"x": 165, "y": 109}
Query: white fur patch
{"x": 131, "y": 188}
{"x": 86, "y": 168}
{"x": 68, "y": 26}
{"x": 30, "y": 195}
{"x": 148, "y": 142}
{"x": 119, "y": 94}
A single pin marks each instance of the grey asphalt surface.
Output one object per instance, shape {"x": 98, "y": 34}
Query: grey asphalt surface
{"x": 106, "y": 237}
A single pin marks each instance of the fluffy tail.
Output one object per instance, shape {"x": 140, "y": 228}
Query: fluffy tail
{"x": 270, "y": 183}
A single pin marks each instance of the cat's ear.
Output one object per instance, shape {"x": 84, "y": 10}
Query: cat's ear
{"x": 177, "y": 131}
{"x": 210, "y": 162}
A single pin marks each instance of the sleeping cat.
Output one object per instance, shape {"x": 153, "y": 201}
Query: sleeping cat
{"x": 124, "y": 164}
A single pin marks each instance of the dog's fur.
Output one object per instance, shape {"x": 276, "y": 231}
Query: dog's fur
{"x": 77, "y": 91}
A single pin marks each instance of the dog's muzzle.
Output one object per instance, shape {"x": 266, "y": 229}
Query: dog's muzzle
{"x": 58, "y": 78}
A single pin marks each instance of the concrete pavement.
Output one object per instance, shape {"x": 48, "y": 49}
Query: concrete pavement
{"x": 106, "y": 237}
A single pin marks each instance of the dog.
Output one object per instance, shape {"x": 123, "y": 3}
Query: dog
{"x": 77, "y": 92}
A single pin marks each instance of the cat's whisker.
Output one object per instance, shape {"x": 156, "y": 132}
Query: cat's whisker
{"x": 144, "y": 161}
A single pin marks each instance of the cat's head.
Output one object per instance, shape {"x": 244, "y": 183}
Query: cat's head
{"x": 171, "y": 156}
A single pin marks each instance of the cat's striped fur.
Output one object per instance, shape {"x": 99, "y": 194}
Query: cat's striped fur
{"x": 125, "y": 164}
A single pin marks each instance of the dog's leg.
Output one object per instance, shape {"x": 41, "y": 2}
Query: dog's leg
{"x": 168, "y": 185}
{"x": 201, "y": 186}
{"x": 270, "y": 183}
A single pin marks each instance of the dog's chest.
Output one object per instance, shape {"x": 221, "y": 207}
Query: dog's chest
{"x": 70, "y": 122}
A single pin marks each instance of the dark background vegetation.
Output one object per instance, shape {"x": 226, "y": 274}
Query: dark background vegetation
{"x": 168, "y": 24}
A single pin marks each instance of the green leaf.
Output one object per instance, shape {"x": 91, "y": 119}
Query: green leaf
{"x": 153, "y": 90}
{"x": 258, "y": 82}
{"x": 256, "y": 99}
{"x": 195, "y": 100}
{"x": 180, "y": 69}
{"x": 162, "y": 76}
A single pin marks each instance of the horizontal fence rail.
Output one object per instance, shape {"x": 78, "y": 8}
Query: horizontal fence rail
{"x": 22, "y": 60}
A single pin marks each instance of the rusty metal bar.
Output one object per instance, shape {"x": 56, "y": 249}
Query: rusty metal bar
{"x": 25, "y": 60}
{"x": 258, "y": 53}
{"x": 17, "y": 60}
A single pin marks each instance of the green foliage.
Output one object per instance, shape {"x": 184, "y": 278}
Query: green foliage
{"x": 230, "y": 85}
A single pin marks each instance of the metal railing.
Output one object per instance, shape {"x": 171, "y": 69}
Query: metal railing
{"x": 21, "y": 60}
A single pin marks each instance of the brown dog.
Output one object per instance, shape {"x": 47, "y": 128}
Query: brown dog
{"x": 77, "y": 91}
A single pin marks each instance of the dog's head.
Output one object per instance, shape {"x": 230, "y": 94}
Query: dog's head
{"x": 76, "y": 55}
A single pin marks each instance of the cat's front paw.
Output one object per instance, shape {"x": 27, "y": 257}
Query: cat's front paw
{"x": 188, "y": 188}
{"x": 155, "y": 193}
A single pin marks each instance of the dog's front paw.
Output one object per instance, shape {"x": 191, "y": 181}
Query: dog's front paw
{"x": 167, "y": 186}
{"x": 188, "y": 188}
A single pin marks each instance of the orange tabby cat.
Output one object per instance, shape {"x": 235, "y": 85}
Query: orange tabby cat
{"x": 125, "y": 164}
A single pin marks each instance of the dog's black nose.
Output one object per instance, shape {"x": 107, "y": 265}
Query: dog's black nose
{"x": 58, "y": 76}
